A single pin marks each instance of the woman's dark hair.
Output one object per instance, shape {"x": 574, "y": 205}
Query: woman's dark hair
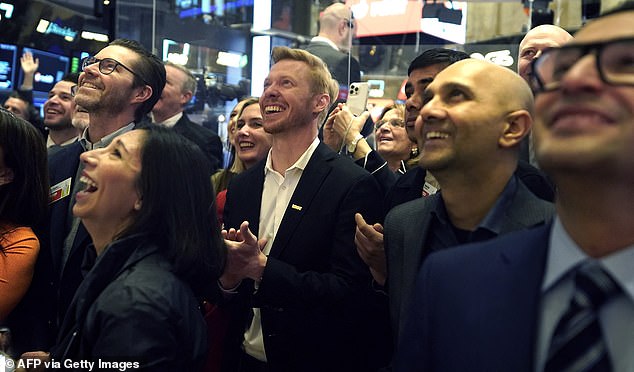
{"x": 24, "y": 200}
{"x": 177, "y": 210}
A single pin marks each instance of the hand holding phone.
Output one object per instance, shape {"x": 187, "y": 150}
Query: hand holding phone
{"x": 358, "y": 97}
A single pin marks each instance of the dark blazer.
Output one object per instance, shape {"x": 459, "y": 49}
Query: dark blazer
{"x": 336, "y": 61}
{"x": 63, "y": 165}
{"x": 207, "y": 140}
{"x": 476, "y": 307}
{"x": 406, "y": 230}
{"x": 410, "y": 185}
{"x": 314, "y": 295}
{"x": 131, "y": 305}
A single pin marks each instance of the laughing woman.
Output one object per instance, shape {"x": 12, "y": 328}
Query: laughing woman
{"x": 148, "y": 209}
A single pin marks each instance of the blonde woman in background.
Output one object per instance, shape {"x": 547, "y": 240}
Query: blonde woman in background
{"x": 251, "y": 144}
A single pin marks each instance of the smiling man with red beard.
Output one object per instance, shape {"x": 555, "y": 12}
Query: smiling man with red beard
{"x": 299, "y": 291}
{"x": 58, "y": 110}
{"x": 117, "y": 87}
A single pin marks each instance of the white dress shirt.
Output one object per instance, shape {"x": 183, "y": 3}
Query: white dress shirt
{"x": 277, "y": 192}
{"x": 615, "y": 317}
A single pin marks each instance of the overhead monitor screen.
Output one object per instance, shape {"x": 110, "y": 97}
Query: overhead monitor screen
{"x": 8, "y": 55}
{"x": 52, "y": 69}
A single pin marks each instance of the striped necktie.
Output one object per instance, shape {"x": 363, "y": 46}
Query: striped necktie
{"x": 577, "y": 344}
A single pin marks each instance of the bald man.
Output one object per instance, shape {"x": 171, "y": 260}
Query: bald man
{"x": 556, "y": 297}
{"x": 531, "y": 47}
{"x": 535, "y": 41}
{"x": 332, "y": 44}
{"x": 469, "y": 138}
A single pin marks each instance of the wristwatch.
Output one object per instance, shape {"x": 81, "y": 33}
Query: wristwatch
{"x": 353, "y": 145}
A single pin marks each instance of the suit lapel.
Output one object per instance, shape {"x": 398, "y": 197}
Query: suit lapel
{"x": 309, "y": 185}
{"x": 62, "y": 165}
{"x": 416, "y": 235}
{"x": 512, "y": 305}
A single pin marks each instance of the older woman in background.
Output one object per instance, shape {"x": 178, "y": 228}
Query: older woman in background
{"x": 392, "y": 142}
{"x": 395, "y": 151}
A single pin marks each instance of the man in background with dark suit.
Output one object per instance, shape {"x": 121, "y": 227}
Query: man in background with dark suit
{"x": 332, "y": 44}
{"x": 300, "y": 293}
{"x": 559, "y": 297}
{"x": 169, "y": 112}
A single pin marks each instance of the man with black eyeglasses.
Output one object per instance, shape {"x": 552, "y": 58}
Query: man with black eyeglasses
{"x": 117, "y": 87}
{"x": 559, "y": 297}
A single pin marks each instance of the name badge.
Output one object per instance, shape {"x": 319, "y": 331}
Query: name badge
{"x": 60, "y": 190}
{"x": 428, "y": 189}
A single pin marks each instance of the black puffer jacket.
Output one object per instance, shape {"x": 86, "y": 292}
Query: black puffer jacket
{"x": 131, "y": 307}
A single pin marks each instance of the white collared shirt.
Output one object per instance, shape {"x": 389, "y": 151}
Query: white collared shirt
{"x": 325, "y": 40}
{"x": 50, "y": 143}
{"x": 169, "y": 122}
{"x": 277, "y": 193}
{"x": 615, "y": 317}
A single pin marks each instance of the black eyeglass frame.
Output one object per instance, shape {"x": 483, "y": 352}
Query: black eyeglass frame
{"x": 349, "y": 22}
{"x": 91, "y": 60}
{"x": 537, "y": 81}
{"x": 382, "y": 122}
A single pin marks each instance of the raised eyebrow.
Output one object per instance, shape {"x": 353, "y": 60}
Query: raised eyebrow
{"x": 425, "y": 81}
{"x": 452, "y": 86}
{"x": 119, "y": 143}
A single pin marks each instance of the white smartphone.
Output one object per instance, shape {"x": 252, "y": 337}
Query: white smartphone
{"x": 358, "y": 97}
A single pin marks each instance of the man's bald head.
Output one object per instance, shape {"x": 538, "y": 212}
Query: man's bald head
{"x": 336, "y": 23}
{"x": 474, "y": 113}
{"x": 510, "y": 91}
{"x": 535, "y": 41}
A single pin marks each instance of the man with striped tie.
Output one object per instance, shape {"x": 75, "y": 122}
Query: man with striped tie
{"x": 558, "y": 297}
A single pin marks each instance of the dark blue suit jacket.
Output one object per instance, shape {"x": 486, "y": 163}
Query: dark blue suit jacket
{"x": 476, "y": 307}
{"x": 315, "y": 295}
{"x": 63, "y": 165}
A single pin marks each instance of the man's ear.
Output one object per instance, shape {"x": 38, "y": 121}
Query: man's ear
{"x": 143, "y": 94}
{"x": 186, "y": 97}
{"x": 516, "y": 127}
{"x": 322, "y": 102}
{"x": 6, "y": 176}
{"x": 342, "y": 28}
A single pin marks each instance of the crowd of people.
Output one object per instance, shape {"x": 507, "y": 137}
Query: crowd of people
{"x": 434, "y": 244}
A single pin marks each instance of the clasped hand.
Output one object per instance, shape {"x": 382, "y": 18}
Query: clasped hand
{"x": 245, "y": 256}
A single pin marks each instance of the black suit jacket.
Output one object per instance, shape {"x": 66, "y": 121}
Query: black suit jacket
{"x": 317, "y": 311}
{"x": 408, "y": 225}
{"x": 207, "y": 140}
{"x": 476, "y": 307}
{"x": 336, "y": 61}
